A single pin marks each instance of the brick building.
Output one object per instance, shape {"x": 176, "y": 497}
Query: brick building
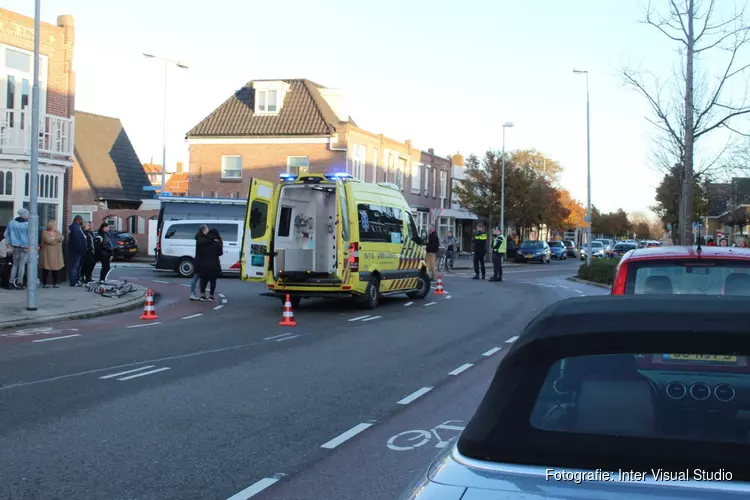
{"x": 273, "y": 126}
{"x": 56, "y": 131}
{"x": 108, "y": 178}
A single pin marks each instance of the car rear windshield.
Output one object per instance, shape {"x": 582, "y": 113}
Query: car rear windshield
{"x": 694, "y": 277}
{"x": 532, "y": 245}
{"x": 596, "y": 244}
{"x": 673, "y": 396}
{"x": 555, "y": 243}
{"x": 624, "y": 246}
{"x": 124, "y": 236}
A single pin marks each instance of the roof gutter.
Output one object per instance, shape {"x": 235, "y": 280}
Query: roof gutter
{"x": 333, "y": 140}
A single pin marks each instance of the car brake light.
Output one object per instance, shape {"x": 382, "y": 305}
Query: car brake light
{"x": 354, "y": 256}
{"x": 621, "y": 275}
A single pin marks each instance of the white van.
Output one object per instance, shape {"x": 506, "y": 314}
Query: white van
{"x": 178, "y": 245}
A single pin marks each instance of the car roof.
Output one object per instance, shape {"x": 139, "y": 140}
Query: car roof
{"x": 689, "y": 252}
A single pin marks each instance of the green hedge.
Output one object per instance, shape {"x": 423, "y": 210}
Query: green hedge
{"x": 600, "y": 271}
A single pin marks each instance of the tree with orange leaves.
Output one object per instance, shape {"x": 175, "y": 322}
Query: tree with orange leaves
{"x": 577, "y": 210}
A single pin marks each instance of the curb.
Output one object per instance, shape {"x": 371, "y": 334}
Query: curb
{"x": 128, "y": 305}
{"x": 587, "y": 282}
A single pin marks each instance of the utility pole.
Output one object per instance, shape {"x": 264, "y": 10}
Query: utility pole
{"x": 33, "y": 258}
{"x": 588, "y": 165}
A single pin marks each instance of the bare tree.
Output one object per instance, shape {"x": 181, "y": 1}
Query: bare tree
{"x": 694, "y": 108}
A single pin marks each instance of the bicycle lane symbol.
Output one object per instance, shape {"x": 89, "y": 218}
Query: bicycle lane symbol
{"x": 415, "y": 438}
{"x": 43, "y": 330}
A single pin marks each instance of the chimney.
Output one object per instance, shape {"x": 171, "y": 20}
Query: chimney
{"x": 179, "y": 167}
{"x": 338, "y": 102}
{"x": 431, "y": 151}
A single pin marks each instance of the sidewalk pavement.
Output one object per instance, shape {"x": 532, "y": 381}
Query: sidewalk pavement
{"x": 57, "y": 304}
{"x": 468, "y": 263}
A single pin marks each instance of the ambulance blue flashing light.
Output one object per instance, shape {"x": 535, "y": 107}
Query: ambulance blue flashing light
{"x": 339, "y": 175}
{"x": 287, "y": 177}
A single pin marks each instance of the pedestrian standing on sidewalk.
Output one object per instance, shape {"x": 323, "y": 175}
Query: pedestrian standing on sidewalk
{"x": 89, "y": 258}
{"x": 196, "y": 277}
{"x": 76, "y": 250}
{"x": 5, "y": 263}
{"x": 210, "y": 248}
{"x": 103, "y": 250}
{"x": 51, "y": 255}
{"x": 17, "y": 236}
{"x": 499, "y": 246}
{"x": 433, "y": 246}
{"x": 480, "y": 250}
{"x": 451, "y": 247}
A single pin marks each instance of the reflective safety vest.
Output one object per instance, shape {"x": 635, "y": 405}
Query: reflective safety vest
{"x": 500, "y": 245}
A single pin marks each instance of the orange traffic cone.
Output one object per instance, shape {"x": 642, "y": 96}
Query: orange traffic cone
{"x": 287, "y": 317}
{"x": 439, "y": 290}
{"x": 149, "y": 312}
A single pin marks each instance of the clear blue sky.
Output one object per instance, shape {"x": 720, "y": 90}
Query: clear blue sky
{"x": 445, "y": 74}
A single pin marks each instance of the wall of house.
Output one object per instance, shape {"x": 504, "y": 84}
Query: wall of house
{"x": 262, "y": 161}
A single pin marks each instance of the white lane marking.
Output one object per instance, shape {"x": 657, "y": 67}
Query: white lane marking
{"x": 144, "y": 324}
{"x": 414, "y": 395}
{"x": 188, "y": 286}
{"x": 223, "y": 301}
{"x": 408, "y": 304}
{"x": 545, "y": 285}
{"x": 447, "y": 296}
{"x": 371, "y": 318}
{"x": 359, "y": 318}
{"x": 222, "y": 295}
{"x": 192, "y": 316}
{"x": 218, "y": 307}
{"x": 461, "y": 369}
{"x": 277, "y": 336}
{"x": 160, "y": 281}
{"x": 512, "y": 339}
{"x": 58, "y": 338}
{"x": 430, "y": 304}
{"x": 492, "y": 351}
{"x": 143, "y": 374}
{"x": 580, "y": 292}
{"x": 113, "y": 375}
{"x": 347, "y": 435}
{"x": 256, "y": 487}
{"x": 287, "y": 338}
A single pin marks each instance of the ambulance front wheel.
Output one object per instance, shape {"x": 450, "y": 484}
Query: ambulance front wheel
{"x": 424, "y": 287}
{"x": 371, "y": 298}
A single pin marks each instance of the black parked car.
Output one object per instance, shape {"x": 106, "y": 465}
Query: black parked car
{"x": 571, "y": 249}
{"x": 124, "y": 245}
{"x": 534, "y": 251}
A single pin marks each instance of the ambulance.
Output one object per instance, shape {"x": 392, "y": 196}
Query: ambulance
{"x": 329, "y": 235}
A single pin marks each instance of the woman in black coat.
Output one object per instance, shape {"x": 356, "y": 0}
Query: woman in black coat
{"x": 208, "y": 249}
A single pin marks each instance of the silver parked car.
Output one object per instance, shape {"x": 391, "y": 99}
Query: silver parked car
{"x": 591, "y": 404}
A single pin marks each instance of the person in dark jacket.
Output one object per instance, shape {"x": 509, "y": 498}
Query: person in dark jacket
{"x": 76, "y": 249}
{"x": 433, "y": 245}
{"x": 89, "y": 260}
{"x": 208, "y": 248}
{"x": 103, "y": 250}
{"x": 480, "y": 250}
{"x": 196, "y": 277}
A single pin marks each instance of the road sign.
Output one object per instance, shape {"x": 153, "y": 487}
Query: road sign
{"x": 587, "y": 218}
{"x": 697, "y": 226}
{"x": 151, "y": 188}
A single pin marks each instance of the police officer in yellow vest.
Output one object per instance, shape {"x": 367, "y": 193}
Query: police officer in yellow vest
{"x": 480, "y": 250}
{"x": 499, "y": 247}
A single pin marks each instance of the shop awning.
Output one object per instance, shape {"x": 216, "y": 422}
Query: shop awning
{"x": 456, "y": 214}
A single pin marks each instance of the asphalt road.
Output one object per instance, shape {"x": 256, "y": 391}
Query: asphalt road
{"x": 215, "y": 399}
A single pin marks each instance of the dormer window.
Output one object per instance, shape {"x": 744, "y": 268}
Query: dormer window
{"x": 266, "y": 101}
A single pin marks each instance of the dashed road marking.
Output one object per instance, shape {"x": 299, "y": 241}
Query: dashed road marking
{"x": 223, "y": 301}
{"x": 222, "y": 295}
{"x": 161, "y": 281}
{"x": 408, "y": 304}
{"x": 218, "y": 307}
{"x": 347, "y": 435}
{"x": 143, "y": 374}
{"x": 580, "y": 292}
{"x": 461, "y": 369}
{"x": 414, "y": 395}
{"x": 430, "y": 304}
{"x": 57, "y": 338}
{"x": 492, "y": 351}
{"x": 257, "y": 487}
{"x": 277, "y": 336}
{"x": 287, "y": 338}
{"x": 447, "y": 296}
{"x": 371, "y": 318}
{"x": 188, "y": 286}
{"x": 144, "y": 324}
{"x": 113, "y": 375}
{"x": 359, "y": 318}
{"x": 512, "y": 339}
{"x": 192, "y": 316}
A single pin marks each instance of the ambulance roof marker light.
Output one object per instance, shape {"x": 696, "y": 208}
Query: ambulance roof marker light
{"x": 287, "y": 177}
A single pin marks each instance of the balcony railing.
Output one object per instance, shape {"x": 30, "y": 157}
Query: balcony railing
{"x": 55, "y": 134}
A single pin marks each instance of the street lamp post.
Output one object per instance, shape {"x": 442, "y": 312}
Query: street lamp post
{"x": 166, "y": 62}
{"x": 502, "y": 181}
{"x": 588, "y": 165}
{"x": 33, "y": 252}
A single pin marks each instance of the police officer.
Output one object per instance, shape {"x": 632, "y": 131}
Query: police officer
{"x": 480, "y": 250}
{"x": 499, "y": 246}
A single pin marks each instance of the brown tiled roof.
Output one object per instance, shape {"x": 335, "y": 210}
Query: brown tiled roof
{"x": 177, "y": 183}
{"x": 152, "y": 168}
{"x": 304, "y": 112}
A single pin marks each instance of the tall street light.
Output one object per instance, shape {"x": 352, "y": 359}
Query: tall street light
{"x": 588, "y": 165}
{"x": 33, "y": 251}
{"x": 502, "y": 182}
{"x": 167, "y": 63}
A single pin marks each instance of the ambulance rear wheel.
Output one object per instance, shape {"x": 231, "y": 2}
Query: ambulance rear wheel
{"x": 372, "y": 294}
{"x": 424, "y": 287}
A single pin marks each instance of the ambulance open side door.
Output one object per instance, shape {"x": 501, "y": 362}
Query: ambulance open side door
{"x": 256, "y": 242}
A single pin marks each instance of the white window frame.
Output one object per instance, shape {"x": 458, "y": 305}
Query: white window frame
{"x": 289, "y": 167}
{"x": 443, "y": 184}
{"x": 20, "y": 75}
{"x": 416, "y": 177}
{"x": 375, "y": 165}
{"x": 389, "y": 166}
{"x": 434, "y": 181}
{"x": 265, "y": 93}
{"x": 224, "y": 170}
{"x": 359, "y": 160}
{"x": 427, "y": 169}
{"x": 401, "y": 172}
